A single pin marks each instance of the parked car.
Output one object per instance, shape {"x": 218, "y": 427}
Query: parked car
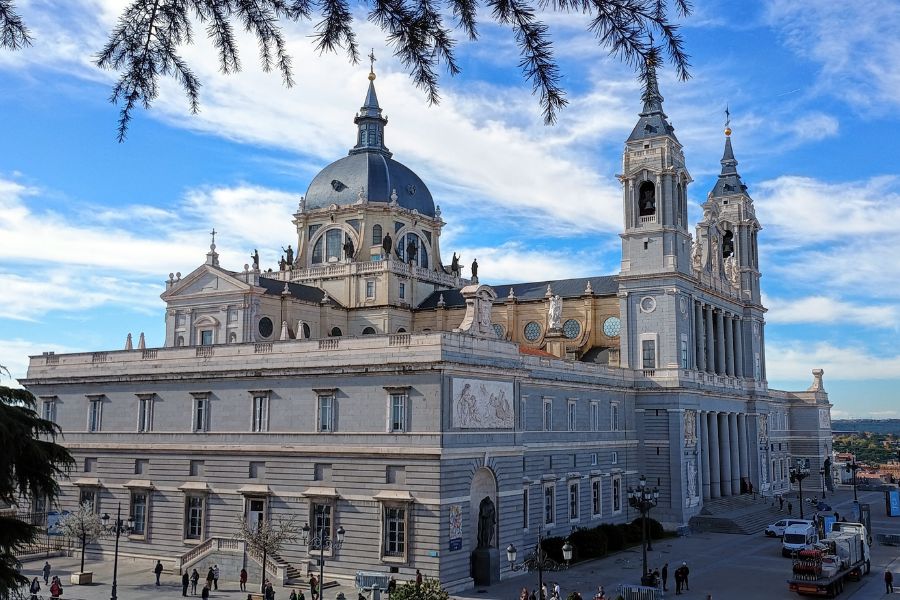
{"x": 798, "y": 537}
{"x": 777, "y": 529}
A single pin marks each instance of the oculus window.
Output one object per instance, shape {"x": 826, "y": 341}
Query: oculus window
{"x": 612, "y": 326}
{"x": 571, "y": 328}
{"x": 532, "y": 331}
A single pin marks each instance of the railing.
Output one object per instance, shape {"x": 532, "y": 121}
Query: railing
{"x": 149, "y": 354}
{"x": 99, "y": 357}
{"x": 262, "y": 348}
{"x": 205, "y": 351}
{"x": 639, "y": 592}
{"x": 209, "y": 545}
{"x": 328, "y": 344}
{"x": 51, "y": 359}
{"x": 399, "y": 339}
{"x": 648, "y": 219}
{"x": 649, "y": 373}
{"x": 273, "y": 567}
{"x": 45, "y": 545}
{"x": 198, "y": 551}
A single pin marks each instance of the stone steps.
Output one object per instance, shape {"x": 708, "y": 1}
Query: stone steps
{"x": 736, "y": 514}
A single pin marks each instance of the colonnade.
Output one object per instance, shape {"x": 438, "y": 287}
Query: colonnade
{"x": 718, "y": 340}
{"x": 724, "y": 453}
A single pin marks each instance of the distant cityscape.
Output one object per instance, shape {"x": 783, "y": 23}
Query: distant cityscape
{"x": 873, "y": 443}
{"x": 883, "y": 426}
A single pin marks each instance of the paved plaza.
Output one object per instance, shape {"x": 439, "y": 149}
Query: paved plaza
{"x": 725, "y": 566}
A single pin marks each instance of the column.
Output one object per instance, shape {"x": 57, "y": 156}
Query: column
{"x": 710, "y": 357}
{"x": 742, "y": 446}
{"x": 739, "y": 345}
{"x": 720, "y": 343}
{"x": 724, "y": 454}
{"x": 704, "y": 453}
{"x": 699, "y": 337}
{"x": 715, "y": 489}
{"x": 735, "y": 454}
{"x": 729, "y": 345}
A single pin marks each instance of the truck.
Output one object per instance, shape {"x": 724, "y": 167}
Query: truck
{"x": 822, "y": 569}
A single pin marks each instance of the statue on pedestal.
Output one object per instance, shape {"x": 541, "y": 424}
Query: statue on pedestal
{"x": 554, "y": 315}
{"x": 487, "y": 521}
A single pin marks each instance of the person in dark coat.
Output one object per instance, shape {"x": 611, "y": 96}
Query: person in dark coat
{"x": 888, "y": 581}
{"x": 685, "y": 571}
{"x": 790, "y": 508}
{"x": 205, "y": 593}
{"x": 665, "y": 577}
{"x": 185, "y": 582}
{"x": 243, "y": 580}
{"x": 678, "y": 581}
{"x": 158, "y": 569}
{"x": 195, "y": 577}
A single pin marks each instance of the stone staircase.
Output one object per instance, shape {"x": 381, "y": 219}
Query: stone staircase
{"x": 743, "y": 514}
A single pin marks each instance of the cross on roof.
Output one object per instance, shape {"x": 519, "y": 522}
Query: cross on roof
{"x": 372, "y": 60}
{"x": 213, "y": 234}
{"x": 727, "y": 116}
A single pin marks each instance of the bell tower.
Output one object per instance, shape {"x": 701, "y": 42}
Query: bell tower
{"x": 654, "y": 181}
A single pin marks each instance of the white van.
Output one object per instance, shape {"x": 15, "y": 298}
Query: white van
{"x": 777, "y": 528}
{"x": 798, "y": 537}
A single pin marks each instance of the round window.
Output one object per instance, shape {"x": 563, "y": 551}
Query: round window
{"x": 498, "y": 329}
{"x": 648, "y": 304}
{"x": 612, "y": 326}
{"x": 532, "y": 331}
{"x": 265, "y": 327}
{"x": 571, "y": 328}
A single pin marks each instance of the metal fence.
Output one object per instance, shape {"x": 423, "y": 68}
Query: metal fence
{"x": 639, "y": 592}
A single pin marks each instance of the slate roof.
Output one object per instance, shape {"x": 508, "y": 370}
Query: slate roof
{"x": 729, "y": 182}
{"x": 299, "y": 291}
{"x": 537, "y": 290}
{"x": 653, "y": 121}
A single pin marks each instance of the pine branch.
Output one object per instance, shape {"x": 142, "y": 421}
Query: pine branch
{"x": 335, "y": 29}
{"x": 13, "y": 33}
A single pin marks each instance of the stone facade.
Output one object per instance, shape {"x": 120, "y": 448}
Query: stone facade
{"x": 366, "y": 385}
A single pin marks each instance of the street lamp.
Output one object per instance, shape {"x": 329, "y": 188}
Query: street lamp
{"x": 539, "y": 561}
{"x": 643, "y": 498}
{"x": 853, "y": 467}
{"x": 798, "y": 474}
{"x": 119, "y": 527}
{"x": 320, "y": 541}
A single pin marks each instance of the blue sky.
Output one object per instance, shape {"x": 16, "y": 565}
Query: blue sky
{"x": 91, "y": 228}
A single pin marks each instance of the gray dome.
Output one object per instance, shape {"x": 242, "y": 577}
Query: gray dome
{"x": 340, "y": 182}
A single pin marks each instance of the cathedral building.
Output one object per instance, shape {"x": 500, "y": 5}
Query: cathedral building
{"x": 366, "y": 385}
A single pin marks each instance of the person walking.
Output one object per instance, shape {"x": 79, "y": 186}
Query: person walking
{"x": 601, "y": 595}
{"x": 418, "y": 581}
{"x": 293, "y": 595}
{"x": 665, "y": 577}
{"x": 195, "y": 577}
{"x": 46, "y": 571}
{"x": 243, "y": 580}
{"x": 56, "y": 588}
{"x": 790, "y": 508}
{"x": 34, "y": 588}
{"x": 209, "y": 578}
{"x": 313, "y": 586}
{"x": 205, "y": 593}
{"x": 888, "y": 581}
{"x": 685, "y": 571}
{"x": 215, "y": 577}
{"x": 523, "y": 595}
{"x": 158, "y": 569}
{"x": 185, "y": 582}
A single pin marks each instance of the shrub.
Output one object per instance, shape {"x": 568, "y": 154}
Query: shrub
{"x": 654, "y": 528}
{"x": 553, "y": 547}
{"x": 615, "y": 537}
{"x": 589, "y": 543}
{"x": 431, "y": 590}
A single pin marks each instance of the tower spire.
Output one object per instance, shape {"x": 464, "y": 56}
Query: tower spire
{"x": 369, "y": 119}
{"x": 729, "y": 181}
{"x": 653, "y": 121}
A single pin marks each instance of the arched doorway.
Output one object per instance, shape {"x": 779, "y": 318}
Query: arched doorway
{"x": 484, "y": 527}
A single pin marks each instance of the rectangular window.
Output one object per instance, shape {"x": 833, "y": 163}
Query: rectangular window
{"x": 193, "y": 518}
{"x": 549, "y": 503}
{"x": 596, "y": 498}
{"x": 326, "y": 413}
{"x": 402, "y": 290}
{"x": 525, "y": 508}
{"x": 145, "y": 413}
{"x": 398, "y": 413}
{"x": 260, "y": 417}
{"x": 196, "y": 468}
{"x": 141, "y": 466}
{"x": 48, "y": 410}
{"x": 95, "y": 413}
{"x": 757, "y": 372}
{"x": 571, "y": 414}
{"x": 548, "y": 414}
{"x": 522, "y": 404}
{"x": 321, "y": 472}
{"x": 88, "y": 495}
{"x": 321, "y": 521}
{"x": 593, "y": 459}
{"x": 201, "y": 417}
{"x": 370, "y": 289}
{"x": 648, "y": 352}
{"x": 617, "y": 494}
{"x": 684, "y": 354}
{"x": 774, "y": 472}
{"x": 139, "y": 512}
{"x": 574, "y": 509}
{"x": 614, "y": 457}
{"x": 256, "y": 470}
{"x": 614, "y": 416}
{"x": 395, "y": 475}
{"x": 595, "y": 416}
{"x": 206, "y": 337}
{"x": 394, "y": 531}
{"x": 90, "y": 465}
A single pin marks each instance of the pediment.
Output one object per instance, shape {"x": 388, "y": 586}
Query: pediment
{"x": 206, "y": 281}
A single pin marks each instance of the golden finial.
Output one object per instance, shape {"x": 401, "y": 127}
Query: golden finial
{"x": 727, "y": 121}
{"x": 372, "y": 65}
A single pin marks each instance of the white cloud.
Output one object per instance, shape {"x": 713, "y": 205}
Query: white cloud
{"x": 824, "y": 309}
{"x": 784, "y": 360}
{"x": 513, "y": 262}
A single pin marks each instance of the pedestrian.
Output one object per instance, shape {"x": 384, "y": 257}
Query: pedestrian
{"x": 601, "y": 595}
{"x": 46, "y": 571}
{"x": 837, "y": 517}
{"x": 243, "y": 580}
{"x": 34, "y": 588}
{"x": 56, "y": 588}
{"x": 293, "y": 595}
{"x": 523, "y": 595}
{"x": 544, "y": 591}
{"x": 418, "y": 581}
{"x": 300, "y": 596}
{"x": 205, "y": 593}
{"x": 158, "y": 569}
{"x": 556, "y": 589}
{"x": 780, "y": 502}
{"x": 665, "y": 577}
{"x": 533, "y": 595}
{"x": 685, "y": 571}
{"x": 656, "y": 578}
{"x": 195, "y": 577}
{"x": 270, "y": 591}
{"x": 185, "y": 582}
{"x": 215, "y": 577}
{"x": 313, "y": 586}
{"x": 392, "y": 585}
{"x": 790, "y": 508}
{"x": 678, "y": 581}
{"x": 888, "y": 581}
{"x": 209, "y": 578}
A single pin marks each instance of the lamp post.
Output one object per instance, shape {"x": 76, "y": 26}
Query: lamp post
{"x": 853, "y": 467}
{"x": 798, "y": 474}
{"x": 321, "y": 541}
{"x": 539, "y": 561}
{"x": 643, "y": 498}
{"x": 119, "y": 527}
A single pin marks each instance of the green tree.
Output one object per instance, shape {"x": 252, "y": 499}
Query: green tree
{"x": 431, "y": 590}
{"x": 83, "y": 526}
{"x": 145, "y": 44}
{"x": 30, "y": 463}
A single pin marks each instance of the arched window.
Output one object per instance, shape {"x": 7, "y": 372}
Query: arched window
{"x": 679, "y": 213}
{"x": 329, "y": 247}
{"x": 376, "y": 235}
{"x": 368, "y": 331}
{"x": 647, "y": 199}
{"x": 180, "y": 341}
{"x": 727, "y": 243}
{"x": 336, "y": 332}
{"x": 401, "y": 330}
{"x": 412, "y": 246}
